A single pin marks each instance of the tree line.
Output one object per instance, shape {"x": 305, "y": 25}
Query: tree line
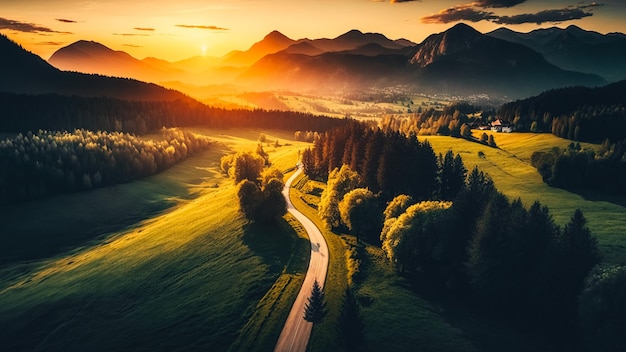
{"x": 576, "y": 113}
{"x": 34, "y": 165}
{"x": 461, "y": 234}
{"x": 22, "y": 113}
{"x": 454, "y": 120}
{"x": 376, "y": 155}
{"x": 577, "y": 168}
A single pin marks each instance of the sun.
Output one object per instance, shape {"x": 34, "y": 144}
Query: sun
{"x": 203, "y": 49}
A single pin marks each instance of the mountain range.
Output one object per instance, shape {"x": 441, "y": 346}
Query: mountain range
{"x": 25, "y": 72}
{"x": 459, "y": 60}
{"x": 575, "y": 49}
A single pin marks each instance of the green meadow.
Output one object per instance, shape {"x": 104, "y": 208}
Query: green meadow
{"x": 164, "y": 263}
{"x": 168, "y": 262}
{"x": 509, "y": 166}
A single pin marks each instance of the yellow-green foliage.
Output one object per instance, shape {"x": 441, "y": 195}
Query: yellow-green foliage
{"x": 353, "y": 262}
{"x": 399, "y": 233}
{"x": 340, "y": 182}
{"x": 270, "y": 173}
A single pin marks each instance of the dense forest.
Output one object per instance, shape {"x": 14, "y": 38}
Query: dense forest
{"x": 23, "y": 113}
{"x": 444, "y": 227}
{"x": 34, "y": 165}
{"x": 576, "y": 113}
{"x": 577, "y": 168}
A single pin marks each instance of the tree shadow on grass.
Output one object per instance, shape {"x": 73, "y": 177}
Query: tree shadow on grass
{"x": 488, "y": 327}
{"x": 597, "y": 196}
{"x": 277, "y": 244}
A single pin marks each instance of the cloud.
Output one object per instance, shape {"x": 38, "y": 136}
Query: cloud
{"x": 132, "y": 45}
{"x": 65, "y": 20}
{"x": 459, "y": 13}
{"x": 551, "y": 16}
{"x": 26, "y": 27}
{"x": 143, "y": 29}
{"x": 469, "y": 12}
{"x": 51, "y": 43}
{"x": 401, "y": 1}
{"x": 497, "y": 3}
{"x": 213, "y": 28}
{"x": 131, "y": 35}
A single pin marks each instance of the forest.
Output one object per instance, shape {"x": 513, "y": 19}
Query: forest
{"x": 577, "y": 168}
{"x": 576, "y": 113}
{"x": 442, "y": 226}
{"x": 34, "y": 165}
{"x": 23, "y": 113}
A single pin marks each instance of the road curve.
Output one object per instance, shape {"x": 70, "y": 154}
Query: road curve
{"x": 295, "y": 334}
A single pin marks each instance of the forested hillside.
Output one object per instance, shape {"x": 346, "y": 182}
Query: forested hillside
{"x": 577, "y": 113}
{"x": 46, "y": 163}
{"x": 23, "y": 113}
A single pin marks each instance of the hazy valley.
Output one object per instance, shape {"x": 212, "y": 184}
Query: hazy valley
{"x": 469, "y": 190}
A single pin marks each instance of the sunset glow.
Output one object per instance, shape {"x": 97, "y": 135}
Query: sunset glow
{"x": 172, "y": 30}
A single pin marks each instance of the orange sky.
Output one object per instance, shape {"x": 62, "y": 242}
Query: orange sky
{"x": 175, "y": 30}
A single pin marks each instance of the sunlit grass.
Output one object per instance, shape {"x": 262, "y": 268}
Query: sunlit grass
{"x": 186, "y": 274}
{"x": 510, "y": 168}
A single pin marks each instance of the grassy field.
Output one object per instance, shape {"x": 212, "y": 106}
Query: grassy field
{"x": 164, "y": 263}
{"x": 510, "y": 168}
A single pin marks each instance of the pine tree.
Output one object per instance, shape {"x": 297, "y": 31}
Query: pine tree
{"x": 351, "y": 327}
{"x": 315, "y": 308}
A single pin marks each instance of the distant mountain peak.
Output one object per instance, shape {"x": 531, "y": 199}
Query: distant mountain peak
{"x": 456, "y": 39}
{"x": 276, "y": 36}
{"x": 463, "y": 28}
{"x": 351, "y": 34}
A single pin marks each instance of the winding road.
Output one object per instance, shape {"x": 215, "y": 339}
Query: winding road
{"x": 297, "y": 331}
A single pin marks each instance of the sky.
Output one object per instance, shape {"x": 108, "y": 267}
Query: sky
{"x": 180, "y": 29}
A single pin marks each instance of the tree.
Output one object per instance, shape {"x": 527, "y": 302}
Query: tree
{"x": 246, "y": 166}
{"x": 466, "y": 131}
{"x": 397, "y": 206}
{"x": 226, "y": 162}
{"x": 484, "y": 138}
{"x": 579, "y": 254}
{"x": 315, "y": 308}
{"x": 490, "y": 254}
{"x": 340, "y": 182}
{"x": 249, "y": 198}
{"x": 602, "y": 309}
{"x": 350, "y": 326}
{"x": 359, "y": 212}
{"x": 308, "y": 163}
{"x": 270, "y": 173}
{"x": 410, "y": 240}
{"x": 451, "y": 175}
{"x": 492, "y": 141}
{"x": 273, "y": 204}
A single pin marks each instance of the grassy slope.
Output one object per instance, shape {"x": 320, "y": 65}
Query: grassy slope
{"x": 513, "y": 175}
{"x": 188, "y": 277}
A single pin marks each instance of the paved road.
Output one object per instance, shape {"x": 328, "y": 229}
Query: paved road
{"x": 296, "y": 332}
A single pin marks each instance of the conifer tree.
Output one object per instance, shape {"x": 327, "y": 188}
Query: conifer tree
{"x": 351, "y": 327}
{"x": 315, "y": 309}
